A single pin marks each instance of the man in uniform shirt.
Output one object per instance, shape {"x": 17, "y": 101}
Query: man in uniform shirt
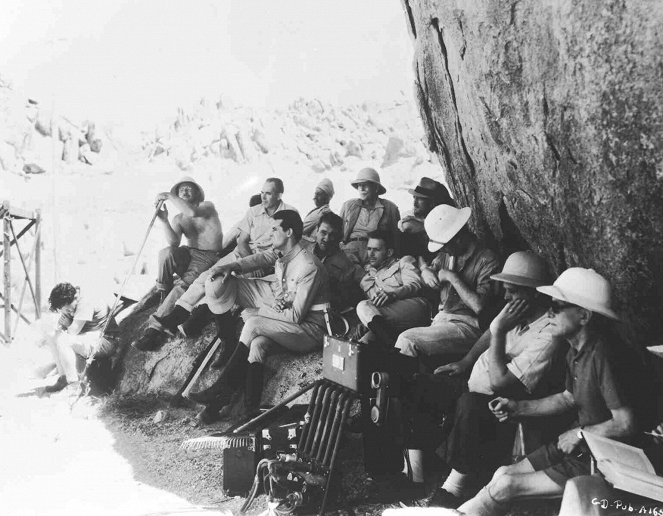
{"x": 392, "y": 286}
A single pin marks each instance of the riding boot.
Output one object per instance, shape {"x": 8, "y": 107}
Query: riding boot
{"x": 195, "y": 324}
{"x": 253, "y": 392}
{"x": 384, "y": 331}
{"x": 230, "y": 377}
{"x": 176, "y": 316}
{"x": 225, "y": 328}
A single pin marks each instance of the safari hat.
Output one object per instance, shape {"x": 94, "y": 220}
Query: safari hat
{"x": 326, "y": 186}
{"x": 585, "y": 288}
{"x": 442, "y": 224}
{"x": 523, "y": 268}
{"x": 369, "y": 175}
{"x": 188, "y": 179}
{"x": 430, "y": 189}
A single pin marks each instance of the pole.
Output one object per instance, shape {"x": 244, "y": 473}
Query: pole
{"x": 7, "y": 272}
{"x": 38, "y": 260}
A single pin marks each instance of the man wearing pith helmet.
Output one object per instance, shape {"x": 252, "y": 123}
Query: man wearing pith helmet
{"x": 512, "y": 359}
{"x": 365, "y": 214}
{"x": 461, "y": 273}
{"x": 581, "y": 303}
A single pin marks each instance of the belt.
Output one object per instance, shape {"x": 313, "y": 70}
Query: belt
{"x": 357, "y": 239}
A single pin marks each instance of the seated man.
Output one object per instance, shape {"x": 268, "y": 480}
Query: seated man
{"x": 365, "y": 214}
{"x": 413, "y": 239}
{"x": 230, "y": 237}
{"x": 288, "y": 310}
{"x": 392, "y": 286}
{"x": 343, "y": 289}
{"x": 253, "y": 238}
{"x": 580, "y": 298}
{"x": 464, "y": 286}
{"x": 80, "y": 331}
{"x": 321, "y": 198}
{"x": 199, "y": 222}
{"x": 510, "y": 359}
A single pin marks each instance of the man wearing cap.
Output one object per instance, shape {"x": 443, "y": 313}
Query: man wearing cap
{"x": 392, "y": 286}
{"x": 579, "y": 311}
{"x": 426, "y": 195}
{"x": 365, "y": 214}
{"x": 461, "y": 272}
{"x": 253, "y": 237}
{"x": 321, "y": 198}
{"x": 511, "y": 359}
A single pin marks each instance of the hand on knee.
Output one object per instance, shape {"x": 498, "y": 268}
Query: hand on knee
{"x": 503, "y": 488}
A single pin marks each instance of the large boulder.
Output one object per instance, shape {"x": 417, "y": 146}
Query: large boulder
{"x": 547, "y": 119}
{"x": 163, "y": 372}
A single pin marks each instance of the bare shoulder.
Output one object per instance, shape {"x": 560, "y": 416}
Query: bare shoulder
{"x": 207, "y": 209}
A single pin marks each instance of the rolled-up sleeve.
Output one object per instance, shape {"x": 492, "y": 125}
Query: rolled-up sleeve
{"x": 410, "y": 277}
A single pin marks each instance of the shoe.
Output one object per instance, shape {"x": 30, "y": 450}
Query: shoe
{"x": 209, "y": 415}
{"x": 194, "y": 325}
{"x": 443, "y": 498}
{"x": 384, "y": 331}
{"x": 171, "y": 320}
{"x": 59, "y": 384}
{"x": 151, "y": 340}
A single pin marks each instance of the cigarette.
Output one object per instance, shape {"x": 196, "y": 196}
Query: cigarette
{"x": 653, "y": 434}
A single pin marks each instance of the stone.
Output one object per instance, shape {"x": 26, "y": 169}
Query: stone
{"x": 547, "y": 120}
{"x": 160, "y": 417}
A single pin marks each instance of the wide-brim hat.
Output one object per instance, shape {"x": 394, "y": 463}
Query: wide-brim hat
{"x": 585, "y": 288}
{"x": 369, "y": 175}
{"x": 525, "y": 269}
{"x": 443, "y": 223}
{"x": 430, "y": 189}
{"x": 188, "y": 179}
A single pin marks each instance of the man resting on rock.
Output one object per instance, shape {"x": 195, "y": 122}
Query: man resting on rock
{"x": 288, "y": 310}
{"x": 199, "y": 222}
{"x": 78, "y": 332}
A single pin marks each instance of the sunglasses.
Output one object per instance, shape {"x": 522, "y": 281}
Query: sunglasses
{"x": 557, "y": 306}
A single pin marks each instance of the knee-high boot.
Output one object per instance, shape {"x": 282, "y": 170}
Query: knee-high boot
{"x": 253, "y": 394}
{"x": 229, "y": 379}
{"x": 384, "y": 331}
{"x": 225, "y": 330}
{"x": 195, "y": 324}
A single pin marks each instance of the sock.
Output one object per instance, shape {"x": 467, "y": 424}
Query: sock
{"x": 483, "y": 504}
{"x": 456, "y": 483}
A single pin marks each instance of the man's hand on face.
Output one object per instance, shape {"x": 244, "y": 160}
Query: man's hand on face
{"x": 568, "y": 441}
{"x": 513, "y": 313}
{"x": 381, "y": 298}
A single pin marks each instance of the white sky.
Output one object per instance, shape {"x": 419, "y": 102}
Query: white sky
{"x": 135, "y": 61}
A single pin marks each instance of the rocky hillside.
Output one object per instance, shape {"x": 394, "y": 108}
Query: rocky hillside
{"x": 547, "y": 116}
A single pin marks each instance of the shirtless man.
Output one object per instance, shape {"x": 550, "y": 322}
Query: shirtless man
{"x": 199, "y": 222}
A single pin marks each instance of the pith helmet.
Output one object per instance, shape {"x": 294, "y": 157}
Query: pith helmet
{"x": 585, "y": 288}
{"x": 523, "y": 268}
{"x": 369, "y": 175}
{"x": 442, "y": 224}
{"x": 187, "y": 179}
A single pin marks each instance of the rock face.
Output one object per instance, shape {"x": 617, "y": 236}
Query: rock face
{"x": 548, "y": 120}
{"x": 163, "y": 372}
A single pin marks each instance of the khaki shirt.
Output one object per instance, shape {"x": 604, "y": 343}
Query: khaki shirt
{"x": 529, "y": 351}
{"x": 257, "y": 224}
{"x": 299, "y": 278}
{"x": 398, "y": 277}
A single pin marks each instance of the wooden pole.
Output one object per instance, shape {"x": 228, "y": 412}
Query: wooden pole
{"x": 7, "y": 273}
{"x": 38, "y": 261}
{"x": 26, "y": 267}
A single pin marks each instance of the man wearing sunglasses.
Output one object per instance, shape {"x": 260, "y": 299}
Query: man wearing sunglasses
{"x": 579, "y": 313}
{"x": 461, "y": 273}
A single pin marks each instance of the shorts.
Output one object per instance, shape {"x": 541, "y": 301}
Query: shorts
{"x": 558, "y": 465}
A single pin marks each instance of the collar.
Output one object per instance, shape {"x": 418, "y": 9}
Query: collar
{"x": 588, "y": 347}
{"x": 263, "y": 211}
{"x": 378, "y": 204}
{"x": 287, "y": 257}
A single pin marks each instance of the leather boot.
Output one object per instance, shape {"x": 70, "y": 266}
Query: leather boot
{"x": 225, "y": 328}
{"x": 253, "y": 392}
{"x": 151, "y": 340}
{"x": 384, "y": 331}
{"x": 194, "y": 325}
{"x": 176, "y": 316}
{"x": 230, "y": 378}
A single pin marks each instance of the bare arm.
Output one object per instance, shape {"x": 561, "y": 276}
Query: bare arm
{"x": 500, "y": 375}
{"x": 173, "y": 232}
{"x": 549, "y": 406}
{"x": 467, "y": 295}
{"x": 467, "y": 362}
{"x": 75, "y": 327}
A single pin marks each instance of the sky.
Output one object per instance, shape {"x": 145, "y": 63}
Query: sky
{"x": 136, "y": 61}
